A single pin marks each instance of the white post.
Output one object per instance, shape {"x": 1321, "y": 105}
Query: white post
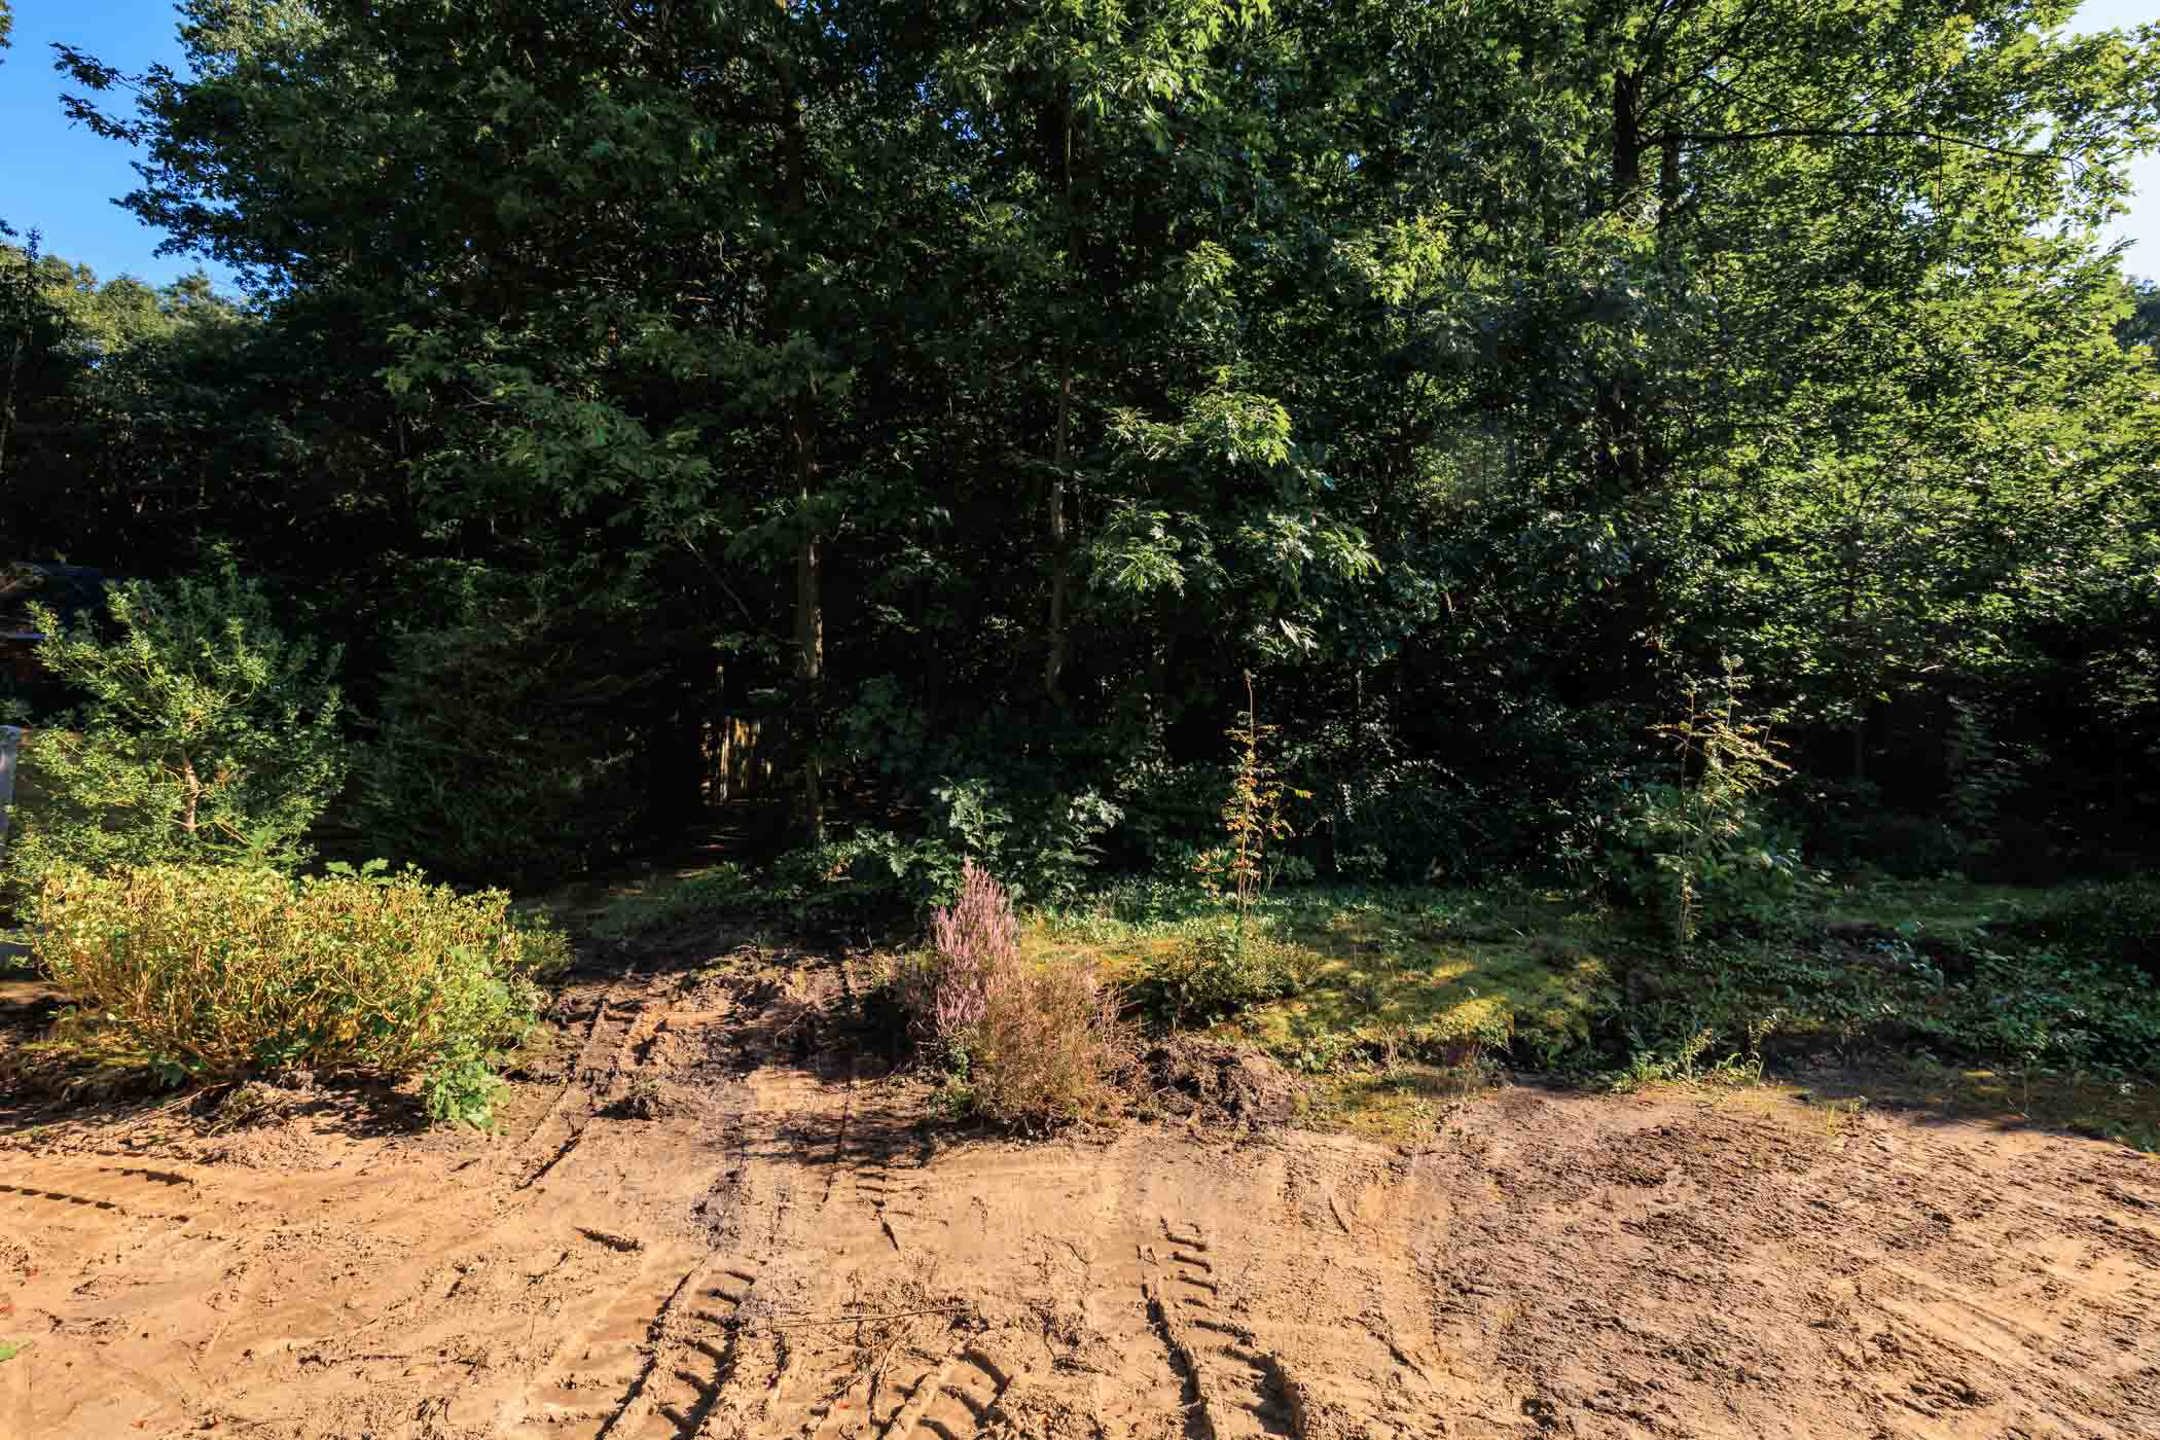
{"x": 10, "y": 744}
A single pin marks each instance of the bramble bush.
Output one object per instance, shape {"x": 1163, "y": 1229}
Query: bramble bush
{"x": 217, "y": 973}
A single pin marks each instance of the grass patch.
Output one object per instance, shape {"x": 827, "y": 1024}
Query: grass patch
{"x": 1373, "y": 976}
{"x": 9, "y": 1349}
{"x": 664, "y": 901}
{"x": 1985, "y": 999}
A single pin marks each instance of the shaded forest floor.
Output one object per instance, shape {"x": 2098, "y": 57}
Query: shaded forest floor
{"x": 714, "y": 1210}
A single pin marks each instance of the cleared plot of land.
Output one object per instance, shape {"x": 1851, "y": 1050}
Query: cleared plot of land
{"x": 715, "y": 1221}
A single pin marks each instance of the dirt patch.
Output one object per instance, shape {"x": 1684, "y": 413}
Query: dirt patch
{"x": 710, "y": 1222}
{"x": 1193, "y": 1077}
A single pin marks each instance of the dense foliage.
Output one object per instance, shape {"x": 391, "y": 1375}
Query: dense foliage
{"x": 221, "y": 972}
{"x": 924, "y": 412}
{"x": 204, "y": 735}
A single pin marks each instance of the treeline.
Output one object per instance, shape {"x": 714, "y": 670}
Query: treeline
{"x": 921, "y": 415}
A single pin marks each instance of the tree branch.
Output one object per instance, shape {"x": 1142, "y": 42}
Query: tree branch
{"x": 1743, "y": 137}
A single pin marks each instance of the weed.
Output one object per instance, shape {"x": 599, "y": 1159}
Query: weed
{"x": 9, "y": 1349}
{"x": 1252, "y": 818}
{"x": 1684, "y": 1064}
{"x": 1693, "y": 851}
{"x": 642, "y": 1100}
{"x": 461, "y": 1089}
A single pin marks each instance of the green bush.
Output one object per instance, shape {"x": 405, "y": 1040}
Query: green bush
{"x": 1215, "y": 972}
{"x": 218, "y": 973}
{"x": 1988, "y": 1000}
{"x": 1695, "y": 855}
{"x": 203, "y": 735}
{"x": 865, "y": 877}
{"x": 1666, "y": 863}
{"x": 1046, "y": 842}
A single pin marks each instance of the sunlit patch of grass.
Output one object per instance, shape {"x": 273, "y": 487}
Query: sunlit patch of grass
{"x": 657, "y": 900}
{"x": 1382, "y": 976}
{"x": 1396, "y": 1104}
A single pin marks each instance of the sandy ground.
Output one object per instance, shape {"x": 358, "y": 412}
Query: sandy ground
{"x": 710, "y": 1221}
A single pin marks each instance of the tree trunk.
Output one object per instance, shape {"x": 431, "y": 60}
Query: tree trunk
{"x": 1060, "y": 544}
{"x": 1627, "y": 146}
{"x": 7, "y": 401}
{"x": 809, "y": 629}
{"x": 809, "y": 544}
{"x": 1056, "y": 642}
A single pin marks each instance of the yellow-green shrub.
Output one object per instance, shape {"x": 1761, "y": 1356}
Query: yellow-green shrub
{"x": 222, "y": 972}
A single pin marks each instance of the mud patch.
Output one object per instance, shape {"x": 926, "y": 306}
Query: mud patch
{"x": 1193, "y": 1077}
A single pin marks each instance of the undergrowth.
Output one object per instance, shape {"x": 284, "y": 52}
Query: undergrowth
{"x": 199, "y": 973}
{"x": 1393, "y": 995}
{"x": 2021, "y": 992}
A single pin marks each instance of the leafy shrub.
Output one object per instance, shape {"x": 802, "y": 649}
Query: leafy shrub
{"x": 204, "y": 735}
{"x": 219, "y": 973}
{"x": 1695, "y": 853}
{"x": 864, "y": 876}
{"x": 1224, "y": 967}
{"x": 1027, "y": 1046}
{"x": 1991, "y": 1001}
{"x": 1022, "y": 816}
{"x": 1406, "y": 822}
{"x": 1690, "y": 876}
{"x": 1046, "y": 843}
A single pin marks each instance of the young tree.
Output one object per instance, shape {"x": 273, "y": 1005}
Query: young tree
{"x": 204, "y": 734}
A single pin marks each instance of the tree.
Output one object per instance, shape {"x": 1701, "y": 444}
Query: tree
{"x": 203, "y": 734}
{"x": 970, "y": 391}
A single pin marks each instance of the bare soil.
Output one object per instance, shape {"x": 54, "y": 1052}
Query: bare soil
{"x": 711, "y": 1216}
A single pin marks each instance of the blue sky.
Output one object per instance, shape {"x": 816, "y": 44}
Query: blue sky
{"x": 62, "y": 180}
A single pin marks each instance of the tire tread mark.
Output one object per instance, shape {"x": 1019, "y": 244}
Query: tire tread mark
{"x": 1206, "y": 1344}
